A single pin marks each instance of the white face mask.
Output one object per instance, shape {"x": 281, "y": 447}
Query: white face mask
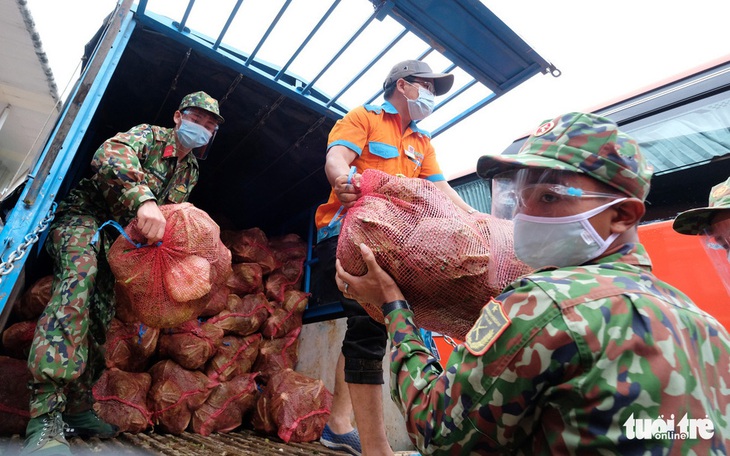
{"x": 560, "y": 241}
{"x": 421, "y": 107}
{"x": 191, "y": 135}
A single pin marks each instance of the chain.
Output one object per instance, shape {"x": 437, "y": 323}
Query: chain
{"x": 31, "y": 238}
{"x": 449, "y": 340}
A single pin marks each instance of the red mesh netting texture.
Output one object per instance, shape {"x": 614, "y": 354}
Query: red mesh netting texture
{"x": 175, "y": 394}
{"x": 14, "y": 396}
{"x": 235, "y": 357}
{"x": 447, "y": 263}
{"x": 191, "y": 344}
{"x": 278, "y": 354}
{"x": 34, "y": 300}
{"x": 129, "y": 346}
{"x": 18, "y": 338}
{"x": 168, "y": 284}
{"x": 297, "y": 404}
{"x": 226, "y": 406}
{"x": 121, "y": 399}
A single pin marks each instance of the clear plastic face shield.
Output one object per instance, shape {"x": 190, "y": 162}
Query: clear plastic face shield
{"x": 202, "y": 118}
{"x": 539, "y": 192}
{"x": 716, "y": 241}
{"x": 551, "y": 219}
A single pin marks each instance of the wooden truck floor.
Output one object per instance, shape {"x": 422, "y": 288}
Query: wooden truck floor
{"x": 243, "y": 442}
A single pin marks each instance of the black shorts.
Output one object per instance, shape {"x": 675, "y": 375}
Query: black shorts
{"x": 365, "y": 339}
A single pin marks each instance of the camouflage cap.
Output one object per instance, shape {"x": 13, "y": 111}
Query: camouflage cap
{"x": 696, "y": 221}
{"x": 203, "y": 101}
{"x": 581, "y": 143}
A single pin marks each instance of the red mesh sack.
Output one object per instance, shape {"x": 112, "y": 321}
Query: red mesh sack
{"x": 168, "y": 284}
{"x": 447, "y": 263}
{"x": 262, "y": 420}
{"x": 14, "y": 396}
{"x": 121, "y": 399}
{"x": 251, "y": 246}
{"x": 217, "y": 300}
{"x": 288, "y": 247}
{"x": 17, "y": 339}
{"x": 129, "y": 346}
{"x": 287, "y": 277}
{"x": 191, "y": 344}
{"x": 278, "y": 354}
{"x": 246, "y": 278}
{"x": 288, "y": 317}
{"x": 242, "y": 316}
{"x": 235, "y": 357}
{"x": 34, "y": 300}
{"x": 226, "y": 406}
{"x": 298, "y": 405}
{"x": 175, "y": 393}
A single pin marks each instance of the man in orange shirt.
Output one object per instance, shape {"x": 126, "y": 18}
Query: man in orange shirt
{"x": 386, "y": 138}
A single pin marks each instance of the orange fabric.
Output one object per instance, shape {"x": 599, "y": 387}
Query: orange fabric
{"x": 374, "y": 133}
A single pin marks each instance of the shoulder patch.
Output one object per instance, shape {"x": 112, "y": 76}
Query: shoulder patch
{"x": 491, "y": 324}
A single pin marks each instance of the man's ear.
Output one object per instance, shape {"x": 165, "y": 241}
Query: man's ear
{"x": 627, "y": 214}
{"x": 177, "y": 118}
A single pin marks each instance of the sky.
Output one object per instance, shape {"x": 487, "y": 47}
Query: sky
{"x": 605, "y": 51}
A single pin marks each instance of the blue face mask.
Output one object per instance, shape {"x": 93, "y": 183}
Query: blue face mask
{"x": 421, "y": 107}
{"x": 191, "y": 135}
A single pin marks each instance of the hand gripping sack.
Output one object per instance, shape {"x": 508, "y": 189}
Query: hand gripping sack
{"x": 168, "y": 284}
{"x": 447, "y": 263}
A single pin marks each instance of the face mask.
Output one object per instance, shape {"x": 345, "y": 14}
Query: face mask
{"x": 421, "y": 107}
{"x": 559, "y": 241}
{"x": 191, "y": 135}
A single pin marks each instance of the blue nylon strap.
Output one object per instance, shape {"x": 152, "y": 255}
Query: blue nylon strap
{"x": 119, "y": 228}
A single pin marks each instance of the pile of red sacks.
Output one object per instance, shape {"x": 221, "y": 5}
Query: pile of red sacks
{"x": 228, "y": 365}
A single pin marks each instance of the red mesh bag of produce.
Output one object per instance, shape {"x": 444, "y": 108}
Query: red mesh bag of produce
{"x": 288, "y": 317}
{"x": 129, "y": 346}
{"x": 34, "y": 300}
{"x": 262, "y": 420}
{"x": 17, "y": 339}
{"x": 226, "y": 406}
{"x": 191, "y": 344}
{"x": 246, "y": 278}
{"x": 287, "y": 277}
{"x": 235, "y": 357}
{"x": 278, "y": 354}
{"x": 298, "y": 405}
{"x": 14, "y": 396}
{"x": 447, "y": 263}
{"x": 251, "y": 246}
{"x": 168, "y": 284}
{"x": 218, "y": 298}
{"x": 288, "y": 247}
{"x": 121, "y": 399}
{"x": 242, "y": 316}
{"x": 175, "y": 394}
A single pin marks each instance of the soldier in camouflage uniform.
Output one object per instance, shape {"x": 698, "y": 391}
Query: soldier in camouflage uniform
{"x": 590, "y": 354}
{"x": 133, "y": 173}
{"x": 713, "y": 224}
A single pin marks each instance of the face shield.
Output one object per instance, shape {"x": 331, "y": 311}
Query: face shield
{"x": 201, "y": 153}
{"x": 551, "y": 225}
{"x": 539, "y": 192}
{"x": 717, "y": 247}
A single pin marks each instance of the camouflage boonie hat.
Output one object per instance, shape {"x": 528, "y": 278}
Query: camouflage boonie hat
{"x": 696, "y": 221}
{"x": 203, "y": 101}
{"x": 581, "y": 143}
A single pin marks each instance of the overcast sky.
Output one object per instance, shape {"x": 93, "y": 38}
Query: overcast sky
{"x": 605, "y": 51}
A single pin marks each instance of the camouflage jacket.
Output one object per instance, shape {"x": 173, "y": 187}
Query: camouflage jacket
{"x": 596, "y": 359}
{"x": 130, "y": 168}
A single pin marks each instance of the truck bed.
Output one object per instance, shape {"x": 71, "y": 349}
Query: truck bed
{"x": 242, "y": 442}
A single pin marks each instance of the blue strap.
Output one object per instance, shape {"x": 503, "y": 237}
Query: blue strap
{"x": 119, "y": 228}
{"x": 336, "y": 218}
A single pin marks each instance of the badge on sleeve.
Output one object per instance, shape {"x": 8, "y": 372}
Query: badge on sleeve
{"x": 491, "y": 324}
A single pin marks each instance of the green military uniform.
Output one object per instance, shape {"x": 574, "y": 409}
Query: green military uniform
{"x": 587, "y": 348}
{"x": 599, "y": 358}
{"x": 129, "y": 169}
